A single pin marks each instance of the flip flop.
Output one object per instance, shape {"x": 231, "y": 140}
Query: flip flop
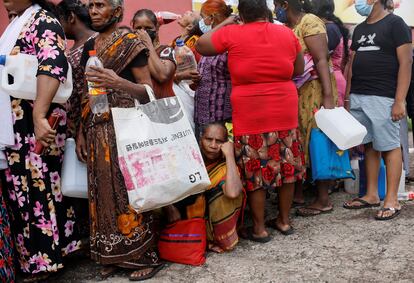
{"x": 316, "y": 212}
{"x": 154, "y": 271}
{"x": 395, "y": 211}
{"x": 253, "y": 238}
{"x": 364, "y": 204}
{"x": 272, "y": 224}
{"x": 296, "y": 204}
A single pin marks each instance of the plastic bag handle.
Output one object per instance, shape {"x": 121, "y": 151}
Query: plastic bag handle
{"x": 150, "y": 93}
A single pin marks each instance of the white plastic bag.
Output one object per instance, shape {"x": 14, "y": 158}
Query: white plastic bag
{"x": 74, "y": 173}
{"x": 186, "y": 96}
{"x": 158, "y": 154}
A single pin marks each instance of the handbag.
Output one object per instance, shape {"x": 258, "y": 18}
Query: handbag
{"x": 158, "y": 154}
{"x": 328, "y": 162}
{"x": 74, "y": 173}
{"x": 184, "y": 242}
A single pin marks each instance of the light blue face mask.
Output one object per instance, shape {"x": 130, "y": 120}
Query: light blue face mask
{"x": 363, "y": 8}
{"x": 203, "y": 27}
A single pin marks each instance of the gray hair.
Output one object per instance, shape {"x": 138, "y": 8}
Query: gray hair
{"x": 118, "y": 3}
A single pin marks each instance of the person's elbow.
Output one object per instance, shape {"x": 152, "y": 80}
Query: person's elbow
{"x": 162, "y": 78}
{"x": 233, "y": 193}
{"x": 299, "y": 70}
{"x": 205, "y": 47}
{"x": 200, "y": 46}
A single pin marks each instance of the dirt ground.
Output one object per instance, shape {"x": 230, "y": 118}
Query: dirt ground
{"x": 344, "y": 246}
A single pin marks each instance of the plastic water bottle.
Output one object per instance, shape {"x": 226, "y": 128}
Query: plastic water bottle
{"x": 406, "y": 196}
{"x": 165, "y": 17}
{"x": 18, "y": 78}
{"x": 185, "y": 58}
{"x": 98, "y": 99}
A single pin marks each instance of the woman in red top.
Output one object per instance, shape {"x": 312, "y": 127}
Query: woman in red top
{"x": 263, "y": 58}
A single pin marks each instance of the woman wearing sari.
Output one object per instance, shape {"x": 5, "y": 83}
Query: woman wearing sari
{"x": 119, "y": 236}
{"x": 224, "y": 198}
{"x": 222, "y": 203}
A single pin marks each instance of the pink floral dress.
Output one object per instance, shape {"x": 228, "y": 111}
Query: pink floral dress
{"x": 41, "y": 220}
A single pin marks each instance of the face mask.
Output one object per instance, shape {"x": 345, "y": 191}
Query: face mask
{"x": 281, "y": 15}
{"x": 363, "y": 8}
{"x": 152, "y": 34}
{"x": 203, "y": 27}
{"x": 112, "y": 20}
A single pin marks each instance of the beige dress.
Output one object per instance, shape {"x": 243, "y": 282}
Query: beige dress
{"x": 310, "y": 94}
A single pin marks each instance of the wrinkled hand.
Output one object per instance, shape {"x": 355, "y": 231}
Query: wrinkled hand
{"x": 189, "y": 75}
{"x": 43, "y": 132}
{"x": 101, "y": 77}
{"x": 227, "y": 149}
{"x": 398, "y": 111}
{"x": 232, "y": 20}
{"x": 145, "y": 38}
{"x": 81, "y": 150}
{"x": 328, "y": 102}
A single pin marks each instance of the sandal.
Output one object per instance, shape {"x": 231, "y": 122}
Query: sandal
{"x": 296, "y": 204}
{"x": 364, "y": 204}
{"x": 395, "y": 213}
{"x": 272, "y": 224}
{"x": 150, "y": 275}
{"x": 310, "y": 211}
{"x": 250, "y": 236}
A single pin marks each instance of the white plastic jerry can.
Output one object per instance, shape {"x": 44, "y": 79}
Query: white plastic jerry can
{"x": 340, "y": 127}
{"x": 19, "y": 78}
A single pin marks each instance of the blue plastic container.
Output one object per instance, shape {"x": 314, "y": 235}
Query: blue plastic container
{"x": 382, "y": 180}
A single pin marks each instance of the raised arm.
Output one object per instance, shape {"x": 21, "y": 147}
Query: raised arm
{"x": 161, "y": 70}
{"x": 233, "y": 186}
{"x": 204, "y": 44}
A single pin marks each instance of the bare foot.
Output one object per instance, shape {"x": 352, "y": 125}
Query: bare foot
{"x": 356, "y": 203}
{"x": 108, "y": 270}
{"x": 215, "y": 249}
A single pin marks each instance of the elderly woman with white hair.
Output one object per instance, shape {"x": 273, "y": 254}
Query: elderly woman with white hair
{"x": 119, "y": 236}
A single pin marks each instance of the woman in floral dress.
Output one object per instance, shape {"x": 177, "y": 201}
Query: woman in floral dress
{"x": 6, "y": 244}
{"x": 42, "y": 223}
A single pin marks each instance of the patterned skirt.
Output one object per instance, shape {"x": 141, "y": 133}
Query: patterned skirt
{"x": 270, "y": 160}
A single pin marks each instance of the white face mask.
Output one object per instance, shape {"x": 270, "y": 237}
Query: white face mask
{"x": 203, "y": 27}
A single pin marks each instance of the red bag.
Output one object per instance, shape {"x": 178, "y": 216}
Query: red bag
{"x": 184, "y": 242}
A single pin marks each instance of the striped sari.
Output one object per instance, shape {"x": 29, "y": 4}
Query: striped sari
{"x": 222, "y": 212}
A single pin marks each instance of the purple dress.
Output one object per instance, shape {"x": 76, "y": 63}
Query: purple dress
{"x": 212, "y": 98}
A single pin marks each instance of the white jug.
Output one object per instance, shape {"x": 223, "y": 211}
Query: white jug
{"x": 74, "y": 173}
{"x": 23, "y": 69}
{"x": 340, "y": 127}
